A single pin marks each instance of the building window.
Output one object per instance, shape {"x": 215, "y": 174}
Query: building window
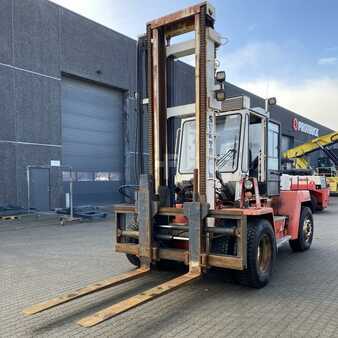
{"x": 273, "y": 146}
{"x": 68, "y": 176}
{"x": 102, "y": 176}
{"x": 90, "y": 176}
{"x": 114, "y": 176}
{"x": 287, "y": 143}
{"x": 84, "y": 176}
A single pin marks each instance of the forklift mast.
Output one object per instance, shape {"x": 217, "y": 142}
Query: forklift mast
{"x": 198, "y": 20}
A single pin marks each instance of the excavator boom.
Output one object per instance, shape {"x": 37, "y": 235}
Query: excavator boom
{"x": 321, "y": 142}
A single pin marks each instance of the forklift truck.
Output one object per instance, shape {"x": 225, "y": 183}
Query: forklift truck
{"x": 225, "y": 209}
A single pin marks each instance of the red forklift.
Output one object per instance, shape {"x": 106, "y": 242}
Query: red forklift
{"x": 225, "y": 208}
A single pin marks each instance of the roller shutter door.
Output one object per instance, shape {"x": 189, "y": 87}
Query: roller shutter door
{"x": 92, "y": 133}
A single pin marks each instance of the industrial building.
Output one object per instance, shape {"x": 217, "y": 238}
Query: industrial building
{"x": 69, "y": 107}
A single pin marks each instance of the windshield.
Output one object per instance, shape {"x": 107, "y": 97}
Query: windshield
{"x": 227, "y": 144}
{"x": 187, "y": 159}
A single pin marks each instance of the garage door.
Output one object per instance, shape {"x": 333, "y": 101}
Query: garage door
{"x": 92, "y": 140}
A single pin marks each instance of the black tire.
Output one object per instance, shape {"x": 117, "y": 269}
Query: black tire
{"x": 305, "y": 231}
{"x": 168, "y": 265}
{"x": 320, "y": 208}
{"x": 161, "y": 265}
{"x": 133, "y": 259}
{"x": 314, "y": 203}
{"x": 224, "y": 245}
{"x": 261, "y": 254}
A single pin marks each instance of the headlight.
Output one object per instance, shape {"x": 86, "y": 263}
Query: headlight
{"x": 220, "y": 94}
{"x": 272, "y": 101}
{"x": 220, "y": 76}
{"x": 248, "y": 185}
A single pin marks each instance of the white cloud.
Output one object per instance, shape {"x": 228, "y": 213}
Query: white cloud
{"x": 246, "y": 62}
{"x": 315, "y": 99}
{"x": 328, "y": 61}
{"x": 251, "y": 54}
{"x": 275, "y": 67}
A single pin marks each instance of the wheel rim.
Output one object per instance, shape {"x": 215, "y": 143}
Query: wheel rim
{"x": 264, "y": 254}
{"x": 307, "y": 229}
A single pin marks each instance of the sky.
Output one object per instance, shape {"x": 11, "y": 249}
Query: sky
{"x": 282, "y": 48}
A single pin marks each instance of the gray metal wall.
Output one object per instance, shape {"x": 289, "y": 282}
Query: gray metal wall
{"x": 39, "y": 42}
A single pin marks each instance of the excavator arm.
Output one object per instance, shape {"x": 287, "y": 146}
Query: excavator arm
{"x": 319, "y": 143}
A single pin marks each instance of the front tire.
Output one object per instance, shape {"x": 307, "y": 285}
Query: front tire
{"x": 305, "y": 231}
{"x": 133, "y": 259}
{"x": 261, "y": 254}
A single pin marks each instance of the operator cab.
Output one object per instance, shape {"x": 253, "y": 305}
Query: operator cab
{"x": 247, "y": 145}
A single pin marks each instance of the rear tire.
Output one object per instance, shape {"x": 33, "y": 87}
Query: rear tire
{"x": 314, "y": 203}
{"x": 133, "y": 259}
{"x": 320, "y": 208}
{"x": 305, "y": 231}
{"x": 261, "y": 254}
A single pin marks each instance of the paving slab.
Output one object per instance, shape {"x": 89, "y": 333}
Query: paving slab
{"x": 39, "y": 260}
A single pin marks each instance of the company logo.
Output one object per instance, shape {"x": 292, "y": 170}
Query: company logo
{"x": 304, "y": 127}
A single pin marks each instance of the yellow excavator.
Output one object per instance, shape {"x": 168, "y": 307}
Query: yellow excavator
{"x": 327, "y": 166}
